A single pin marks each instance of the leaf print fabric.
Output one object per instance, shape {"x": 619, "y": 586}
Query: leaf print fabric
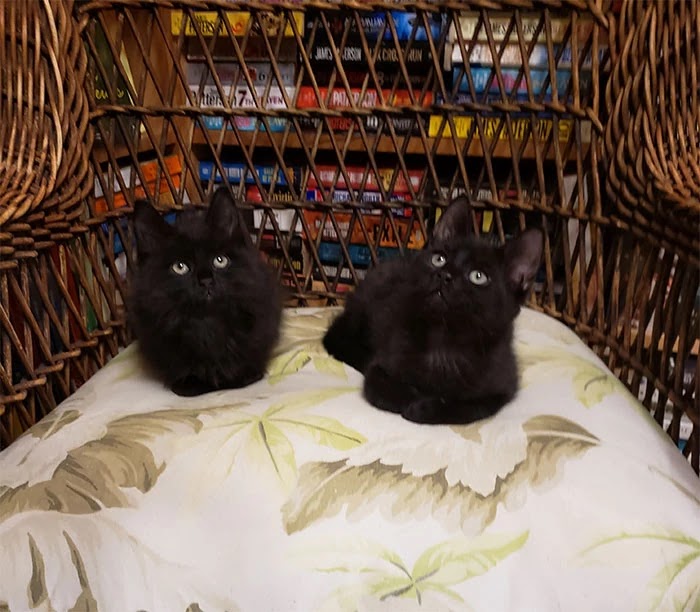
{"x": 294, "y": 494}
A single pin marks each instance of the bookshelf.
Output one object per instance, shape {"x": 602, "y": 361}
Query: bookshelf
{"x": 523, "y": 109}
{"x": 412, "y": 145}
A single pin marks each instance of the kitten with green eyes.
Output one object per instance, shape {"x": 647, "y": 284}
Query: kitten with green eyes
{"x": 432, "y": 332}
{"x": 204, "y": 306}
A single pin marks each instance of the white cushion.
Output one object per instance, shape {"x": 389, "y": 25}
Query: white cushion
{"x": 295, "y": 494}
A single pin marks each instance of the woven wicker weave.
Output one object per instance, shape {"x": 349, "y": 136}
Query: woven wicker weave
{"x": 619, "y": 198}
{"x": 44, "y": 178}
{"x": 652, "y": 138}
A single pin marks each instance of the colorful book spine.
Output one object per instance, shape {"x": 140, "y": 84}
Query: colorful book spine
{"x": 416, "y": 57}
{"x": 272, "y": 252}
{"x": 346, "y": 278}
{"x": 408, "y": 25}
{"x": 338, "y": 98}
{"x": 356, "y": 77}
{"x": 284, "y": 217}
{"x": 229, "y": 73}
{"x": 522, "y": 128}
{"x": 155, "y": 182}
{"x": 533, "y": 25}
{"x": 378, "y": 228}
{"x": 368, "y": 197}
{"x": 487, "y": 98}
{"x": 272, "y": 98}
{"x": 389, "y": 178}
{"x": 209, "y": 23}
{"x": 510, "y": 56}
{"x": 235, "y": 172}
{"x": 484, "y": 79}
{"x": 360, "y": 255}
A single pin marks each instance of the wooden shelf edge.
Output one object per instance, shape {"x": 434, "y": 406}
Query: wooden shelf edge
{"x": 445, "y": 145}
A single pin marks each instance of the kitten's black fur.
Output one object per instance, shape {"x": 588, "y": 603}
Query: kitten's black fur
{"x": 211, "y": 327}
{"x": 433, "y": 345}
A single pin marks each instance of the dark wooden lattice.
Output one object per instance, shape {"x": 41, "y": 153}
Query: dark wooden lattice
{"x": 373, "y": 116}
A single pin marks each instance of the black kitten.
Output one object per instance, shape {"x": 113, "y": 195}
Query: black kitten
{"x": 204, "y": 306}
{"x": 432, "y": 332}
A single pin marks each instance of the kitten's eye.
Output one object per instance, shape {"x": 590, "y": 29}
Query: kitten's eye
{"x": 439, "y": 260}
{"x": 478, "y": 277}
{"x": 180, "y": 267}
{"x": 221, "y": 262}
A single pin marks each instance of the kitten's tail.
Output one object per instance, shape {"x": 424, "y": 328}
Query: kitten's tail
{"x": 347, "y": 340}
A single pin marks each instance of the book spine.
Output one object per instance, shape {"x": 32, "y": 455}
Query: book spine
{"x": 480, "y": 54}
{"x": 270, "y": 241}
{"x": 484, "y": 79}
{"x": 488, "y": 98}
{"x": 345, "y": 274}
{"x": 271, "y": 250}
{"x": 378, "y": 228}
{"x": 229, "y": 73}
{"x": 338, "y": 98}
{"x": 276, "y": 260}
{"x": 284, "y": 217}
{"x": 522, "y": 128}
{"x": 330, "y": 176}
{"x": 237, "y": 171}
{"x": 246, "y": 124}
{"x": 209, "y": 23}
{"x": 208, "y": 96}
{"x": 407, "y": 24}
{"x": 360, "y": 255}
{"x": 469, "y": 22}
{"x": 368, "y": 197}
{"x": 149, "y": 170}
{"x": 149, "y": 191}
{"x": 356, "y": 77}
{"x": 416, "y": 57}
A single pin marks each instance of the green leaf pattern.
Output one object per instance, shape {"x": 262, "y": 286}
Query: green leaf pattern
{"x": 386, "y": 577}
{"x": 128, "y": 497}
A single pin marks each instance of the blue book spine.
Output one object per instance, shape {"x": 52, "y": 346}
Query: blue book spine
{"x": 374, "y": 24}
{"x": 482, "y": 80}
{"x": 245, "y": 124}
{"x": 360, "y": 255}
{"x": 511, "y": 56}
{"x": 404, "y": 23}
{"x": 235, "y": 172}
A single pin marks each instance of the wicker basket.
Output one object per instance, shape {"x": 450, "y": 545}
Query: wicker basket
{"x": 44, "y": 178}
{"x": 621, "y": 265}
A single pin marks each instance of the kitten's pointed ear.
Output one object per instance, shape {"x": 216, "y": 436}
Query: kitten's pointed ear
{"x": 222, "y": 216}
{"x": 455, "y": 221}
{"x": 151, "y": 229}
{"x": 522, "y": 257}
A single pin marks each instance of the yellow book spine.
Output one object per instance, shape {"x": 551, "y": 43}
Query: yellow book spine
{"x": 522, "y": 128}
{"x": 238, "y": 20}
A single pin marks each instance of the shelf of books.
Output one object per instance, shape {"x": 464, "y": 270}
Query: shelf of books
{"x": 343, "y": 132}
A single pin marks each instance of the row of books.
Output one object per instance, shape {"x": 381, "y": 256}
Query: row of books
{"x": 301, "y": 226}
{"x": 470, "y": 80}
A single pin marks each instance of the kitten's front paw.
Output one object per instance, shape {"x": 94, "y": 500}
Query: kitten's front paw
{"x": 427, "y": 410}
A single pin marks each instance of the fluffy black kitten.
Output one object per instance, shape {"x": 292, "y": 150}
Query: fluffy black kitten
{"x": 432, "y": 332}
{"x": 204, "y": 306}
